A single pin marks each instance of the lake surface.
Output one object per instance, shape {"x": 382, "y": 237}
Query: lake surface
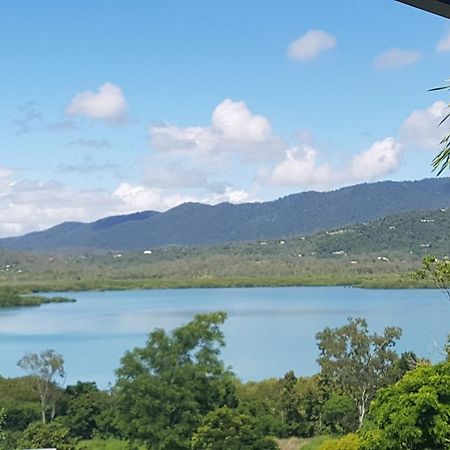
{"x": 268, "y": 332}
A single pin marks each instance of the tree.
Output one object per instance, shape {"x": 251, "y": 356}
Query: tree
{"x": 290, "y": 403}
{"x": 355, "y": 362}
{"x": 44, "y": 368}
{"x": 414, "y": 413}
{"x": 228, "y": 429}
{"x": 165, "y": 388}
{"x": 89, "y": 411}
{"x": 442, "y": 159}
{"x": 47, "y": 435}
{"x": 340, "y": 414}
{"x": 438, "y": 270}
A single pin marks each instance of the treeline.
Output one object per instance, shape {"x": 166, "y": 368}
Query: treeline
{"x": 10, "y": 298}
{"x": 175, "y": 393}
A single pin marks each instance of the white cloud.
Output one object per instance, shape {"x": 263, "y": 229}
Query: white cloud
{"x": 420, "y": 129}
{"x": 234, "y": 129}
{"x": 444, "y": 44}
{"x": 30, "y": 205}
{"x": 395, "y": 58}
{"x": 108, "y": 104}
{"x": 138, "y": 198}
{"x": 233, "y": 122}
{"x": 380, "y": 159}
{"x": 229, "y": 195}
{"x": 300, "y": 168}
{"x": 310, "y": 45}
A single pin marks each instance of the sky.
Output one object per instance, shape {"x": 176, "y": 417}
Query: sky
{"x": 110, "y": 107}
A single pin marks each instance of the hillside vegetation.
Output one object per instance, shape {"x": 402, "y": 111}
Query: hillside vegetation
{"x": 197, "y": 224}
{"x": 379, "y": 253}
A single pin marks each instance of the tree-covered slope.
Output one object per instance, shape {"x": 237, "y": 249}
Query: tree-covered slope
{"x": 198, "y": 224}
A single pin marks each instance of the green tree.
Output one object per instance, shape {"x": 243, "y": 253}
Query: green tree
{"x": 412, "y": 414}
{"x": 290, "y": 403}
{"x": 261, "y": 401}
{"x": 313, "y": 393}
{"x": 355, "y": 362}
{"x": 165, "y": 388}
{"x": 44, "y": 369}
{"x": 47, "y": 435}
{"x": 340, "y": 414}
{"x": 89, "y": 411}
{"x": 228, "y": 429}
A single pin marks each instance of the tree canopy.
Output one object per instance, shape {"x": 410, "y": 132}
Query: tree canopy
{"x": 165, "y": 388}
{"x": 45, "y": 368}
{"x": 355, "y": 362}
{"x": 414, "y": 413}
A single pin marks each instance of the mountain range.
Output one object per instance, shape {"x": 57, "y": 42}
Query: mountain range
{"x": 200, "y": 224}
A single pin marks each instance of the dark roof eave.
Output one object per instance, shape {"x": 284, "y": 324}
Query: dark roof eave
{"x": 439, "y": 7}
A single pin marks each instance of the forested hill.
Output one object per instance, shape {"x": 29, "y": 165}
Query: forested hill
{"x": 199, "y": 224}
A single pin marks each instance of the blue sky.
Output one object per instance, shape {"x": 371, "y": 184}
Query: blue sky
{"x": 109, "y": 107}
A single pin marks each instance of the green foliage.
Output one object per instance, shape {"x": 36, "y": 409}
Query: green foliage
{"x": 165, "y": 388}
{"x": 442, "y": 160}
{"x": 89, "y": 411}
{"x": 47, "y": 435}
{"x": 10, "y": 297}
{"x": 356, "y": 362}
{"x": 313, "y": 393}
{"x": 348, "y": 442}
{"x": 290, "y": 407}
{"x": 414, "y": 413}
{"x": 20, "y": 402}
{"x": 402, "y": 239}
{"x": 340, "y": 414}
{"x": 262, "y": 402}
{"x": 102, "y": 444}
{"x": 437, "y": 270}
{"x": 228, "y": 429}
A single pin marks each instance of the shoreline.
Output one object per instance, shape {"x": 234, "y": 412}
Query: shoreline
{"x": 377, "y": 282}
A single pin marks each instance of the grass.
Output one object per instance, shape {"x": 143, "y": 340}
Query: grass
{"x": 103, "y": 444}
{"x": 302, "y": 443}
{"x": 10, "y": 298}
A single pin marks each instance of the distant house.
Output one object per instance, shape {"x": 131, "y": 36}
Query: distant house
{"x": 147, "y": 252}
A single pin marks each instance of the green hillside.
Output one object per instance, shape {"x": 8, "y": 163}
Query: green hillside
{"x": 197, "y": 224}
{"x": 380, "y": 252}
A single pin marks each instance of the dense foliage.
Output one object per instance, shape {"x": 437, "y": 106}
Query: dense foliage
{"x": 414, "y": 413}
{"x": 356, "y": 362}
{"x": 165, "y": 388}
{"x": 174, "y": 393}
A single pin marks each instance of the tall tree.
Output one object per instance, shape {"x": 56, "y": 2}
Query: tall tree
{"x": 165, "y": 388}
{"x": 413, "y": 413}
{"x": 45, "y": 368}
{"x": 356, "y": 362}
{"x": 290, "y": 403}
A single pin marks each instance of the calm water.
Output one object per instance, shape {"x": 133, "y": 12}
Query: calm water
{"x": 268, "y": 331}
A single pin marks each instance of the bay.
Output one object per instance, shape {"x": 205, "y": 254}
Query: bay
{"x": 268, "y": 332}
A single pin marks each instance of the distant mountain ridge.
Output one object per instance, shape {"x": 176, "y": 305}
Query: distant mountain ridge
{"x": 199, "y": 224}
